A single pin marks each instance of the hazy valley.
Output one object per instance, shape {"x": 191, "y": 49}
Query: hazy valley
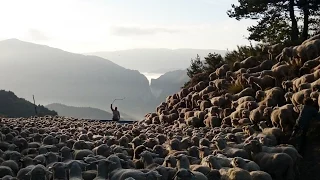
{"x": 57, "y": 76}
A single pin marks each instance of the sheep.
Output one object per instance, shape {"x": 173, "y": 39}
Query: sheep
{"x": 246, "y": 63}
{"x": 278, "y": 165}
{"x": 12, "y": 165}
{"x": 263, "y": 82}
{"x": 80, "y": 154}
{"x": 221, "y": 71}
{"x": 291, "y": 151}
{"x": 103, "y": 168}
{"x": 277, "y": 132}
{"x": 147, "y": 159}
{"x": 307, "y": 78}
{"x": 244, "y": 164}
{"x": 226, "y": 172}
{"x": 265, "y": 65}
{"x": 194, "y": 121}
{"x": 231, "y": 152}
{"x": 260, "y": 175}
{"x": 313, "y": 86}
{"x": 212, "y": 121}
{"x": 308, "y": 50}
{"x": 38, "y": 172}
{"x": 256, "y": 114}
{"x": 5, "y": 170}
{"x": 75, "y": 169}
{"x": 283, "y": 117}
{"x": 274, "y": 49}
{"x": 184, "y": 174}
{"x": 58, "y": 170}
{"x": 122, "y": 174}
{"x": 182, "y": 162}
{"x": 236, "y": 174}
{"x": 200, "y": 168}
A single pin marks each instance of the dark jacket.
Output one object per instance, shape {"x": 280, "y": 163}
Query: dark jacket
{"x": 306, "y": 115}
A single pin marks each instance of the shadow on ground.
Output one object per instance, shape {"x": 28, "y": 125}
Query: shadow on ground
{"x": 310, "y": 165}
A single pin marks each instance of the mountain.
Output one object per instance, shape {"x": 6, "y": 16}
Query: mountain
{"x": 155, "y": 60}
{"x": 84, "y": 112}
{"x": 168, "y": 84}
{"x": 14, "y": 107}
{"x": 54, "y": 75}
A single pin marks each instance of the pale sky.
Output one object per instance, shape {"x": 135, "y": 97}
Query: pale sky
{"x": 82, "y": 26}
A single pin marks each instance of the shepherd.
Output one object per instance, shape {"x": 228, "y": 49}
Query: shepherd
{"x": 116, "y": 114}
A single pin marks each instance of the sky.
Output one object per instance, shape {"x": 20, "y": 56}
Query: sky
{"x": 82, "y": 26}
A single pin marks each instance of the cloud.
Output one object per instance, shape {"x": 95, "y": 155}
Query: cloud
{"x": 138, "y": 31}
{"x": 37, "y": 35}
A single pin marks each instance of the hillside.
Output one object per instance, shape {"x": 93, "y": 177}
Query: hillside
{"x": 13, "y": 106}
{"x": 155, "y": 60}
{"x": 54, "y": 75}
{"x": 84, "y": 112}
{"x": 168, "y": 83}
{"x": 267, "y": 104}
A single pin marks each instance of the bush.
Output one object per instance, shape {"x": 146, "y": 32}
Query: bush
{"x": 196, "y": 79}
{"x": 235, "y": 88}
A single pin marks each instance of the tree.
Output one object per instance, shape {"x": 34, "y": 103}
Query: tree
{"x": 212, "y": 62}
{"x": 243, "y": 52}
{"x": 200, "y": 70}
{"x": 196, "y": 67}
{"x": 277, "y": 20}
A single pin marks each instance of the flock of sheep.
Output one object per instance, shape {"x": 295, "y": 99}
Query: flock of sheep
{"x": 205, "y": 132}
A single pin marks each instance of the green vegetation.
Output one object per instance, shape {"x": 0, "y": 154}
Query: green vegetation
{"x": 12, "y": 106}
{"x": 279, "y": 20}
{"x": 288, "y": 22}
{"x": 200, "y": 70}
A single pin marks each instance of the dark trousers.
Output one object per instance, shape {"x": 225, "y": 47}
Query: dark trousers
{"x": 302, "y": 141}
{"x": 114, "y": 119}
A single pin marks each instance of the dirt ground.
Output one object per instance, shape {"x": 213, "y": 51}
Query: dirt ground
{"x": 310, "y": 165}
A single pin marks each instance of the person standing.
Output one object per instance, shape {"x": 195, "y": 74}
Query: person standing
{"x": 307, "y": 113}
{"x": 116, "y": 114}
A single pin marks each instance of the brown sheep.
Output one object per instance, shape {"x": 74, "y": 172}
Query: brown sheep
{"x": 265, "y": 65}
{"x": 263, "y": 82}
{"x": 249, "y": 62}
{"x": 298, "y": 97}
{"x": 256, "y": 115}
{"x": 283, "y": 117}
{"x": 221, "y": 71}
{"x": 212, "y": 121}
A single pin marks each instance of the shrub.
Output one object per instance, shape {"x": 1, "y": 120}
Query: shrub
{"x": 235, "y": 88}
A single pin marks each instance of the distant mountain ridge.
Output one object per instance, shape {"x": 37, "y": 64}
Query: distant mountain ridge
{"x": 155, "y": 60}
{"x": 84, "y": 112}
{"x": 54, "y": 75}
{"x": 168, "y": 83}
